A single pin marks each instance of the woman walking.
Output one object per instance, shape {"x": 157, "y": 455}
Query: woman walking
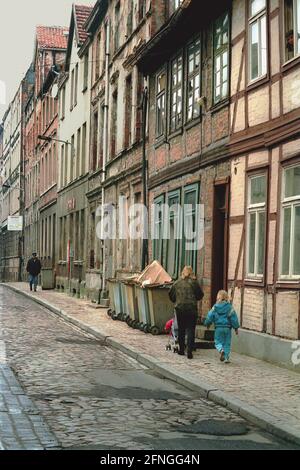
{"x": 185, "y": 293}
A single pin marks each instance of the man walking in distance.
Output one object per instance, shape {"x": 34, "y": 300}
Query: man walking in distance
{"x": 33, "y": 268}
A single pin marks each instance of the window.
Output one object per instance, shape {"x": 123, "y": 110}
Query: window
{"x": 176, "y": 94}
{"x": 101, "y": 134}
{"x": 174, "y": 234}
{"x": 257, "y": 191}
{"x": 76, "y": 85}
{"x": 257, "y": 39}
{"x": 161, "y": 83}
{"x": 158, "y": 229}
{"x": 190, "y": 223}
{"x": 292, "y": 28}
{"x": 113, "y": 139}
{"x": 194, "y": 77}
{"x": 138, "y": 107}
{"x": 62, "y": 166}
{"x": 72, "y": 89}
{"x": 78, "y": 166}
{"x": 129, "y": 19}
{"x": 221, "y": 58}
{"x": 290, "y": 220}
{"x": 97, "y": 56}
{"x": 72, "y": 156}
{"x": 63, "y": 102}
{"x": 85, "y": 71}
{"x": 117, "y": 27}
{"x": 95, "y": 141}
{"x": 66, "y": 164}
{"x": 83, "y": 151}
{"x": 173, "y": 5}
{"x": 128, "y": 112}
{"x": 142, "y": 9}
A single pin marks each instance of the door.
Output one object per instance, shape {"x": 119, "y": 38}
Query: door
{"x": 220, "y": 239}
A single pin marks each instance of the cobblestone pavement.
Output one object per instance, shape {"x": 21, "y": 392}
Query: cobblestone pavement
{"x": 94, "y": 397}
{"x": 272, "y": 389}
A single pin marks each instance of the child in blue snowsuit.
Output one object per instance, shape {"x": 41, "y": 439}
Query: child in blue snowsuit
{"x": 223, "y": 316}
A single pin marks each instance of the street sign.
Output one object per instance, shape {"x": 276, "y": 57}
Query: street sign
{"x": 15, "y": 223}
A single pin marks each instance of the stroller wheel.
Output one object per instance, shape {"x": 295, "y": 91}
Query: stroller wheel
{"x": 175, "y": 350}
{"x": 110, "y": 312}
{"x": 146, "y": 329}
{"x": 154, "y": 331}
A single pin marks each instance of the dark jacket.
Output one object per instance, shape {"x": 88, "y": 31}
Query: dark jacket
{"x": 34, "y": 267}
{"x": 185, "y": 293}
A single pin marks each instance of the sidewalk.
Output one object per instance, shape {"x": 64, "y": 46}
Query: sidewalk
{"x": 266, "y": 395}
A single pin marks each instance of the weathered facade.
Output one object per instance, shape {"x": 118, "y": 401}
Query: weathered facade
{"x": 264, "y": 239}
{"x": 13, "y": 190}
{"x": 116, "y": 120}
{"x": 74, "y": 128}
{"x": 188, "y": 155}
{"x": 41, "y": 134}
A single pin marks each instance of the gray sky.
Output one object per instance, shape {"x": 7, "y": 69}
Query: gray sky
{"x": 17, "y": 27}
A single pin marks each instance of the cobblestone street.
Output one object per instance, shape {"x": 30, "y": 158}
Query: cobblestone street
{"x": 80, "y": 394}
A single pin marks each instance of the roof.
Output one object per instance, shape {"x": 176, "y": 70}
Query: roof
{"x": 52, "y": 37}
{"x": 82, "y": 13}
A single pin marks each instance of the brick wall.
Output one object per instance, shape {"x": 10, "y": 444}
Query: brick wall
{"x": 253, "y": 309}
{"x": 287, "y": 312}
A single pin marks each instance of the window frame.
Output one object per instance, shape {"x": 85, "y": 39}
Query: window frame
{"x": 177, "y": 57}
{"x": 288, "y": 202}
{"x": 191, "y": 76}
{"x": 172, "y": 195}
{"x": 257, "y": 17}
{"x": 196, "y": 188}
{"x": 158, "y": 243}
{"x": 159, "y": 96}
{"x": 257, "y": 209}
{"x": 220, "y": 54}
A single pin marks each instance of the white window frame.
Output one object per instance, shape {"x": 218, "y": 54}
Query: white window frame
{"x": 257, "y": 18}
{"x": 256, "y": 209}
{"x": 288, "y": 202}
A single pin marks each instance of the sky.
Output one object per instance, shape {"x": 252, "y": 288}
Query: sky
{"x": 18, "y": 19}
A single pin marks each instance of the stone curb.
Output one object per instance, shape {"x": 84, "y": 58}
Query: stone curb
{"x": 254, "y": 415}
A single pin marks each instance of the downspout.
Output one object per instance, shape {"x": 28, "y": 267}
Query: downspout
{"x": 105, "y": 153}
{"x": 145, "y": 259}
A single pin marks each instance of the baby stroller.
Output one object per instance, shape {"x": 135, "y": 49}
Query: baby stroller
{"x": 172, "y": 328}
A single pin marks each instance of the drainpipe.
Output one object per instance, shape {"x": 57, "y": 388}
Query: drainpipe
{"x": 145, "y": 259}
{"x": 105, "y": 153}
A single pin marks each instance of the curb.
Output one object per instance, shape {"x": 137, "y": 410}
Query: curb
{"x": 252, "y": 414}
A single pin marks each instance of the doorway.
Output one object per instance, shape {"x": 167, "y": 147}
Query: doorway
{"x": 220, "y": 239}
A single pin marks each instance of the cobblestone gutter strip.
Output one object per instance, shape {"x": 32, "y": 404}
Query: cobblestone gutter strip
{"x": 21, "y": 426}
{"x": 254, "y": 415}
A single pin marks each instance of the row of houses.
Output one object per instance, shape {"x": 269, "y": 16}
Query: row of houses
{"x": 162, "y": 103}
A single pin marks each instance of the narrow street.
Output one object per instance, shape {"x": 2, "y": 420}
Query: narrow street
{"x": 79, "y": 394}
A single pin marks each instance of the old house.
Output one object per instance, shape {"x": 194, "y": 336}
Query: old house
{"x": 41, "y": 133}
{"x": 117, "y": 30}
{"x": 187, "y": 62}
{"x": 13, "y": 190}
{"x": 74, "y": 135}
{"x": 264, "y": 238}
